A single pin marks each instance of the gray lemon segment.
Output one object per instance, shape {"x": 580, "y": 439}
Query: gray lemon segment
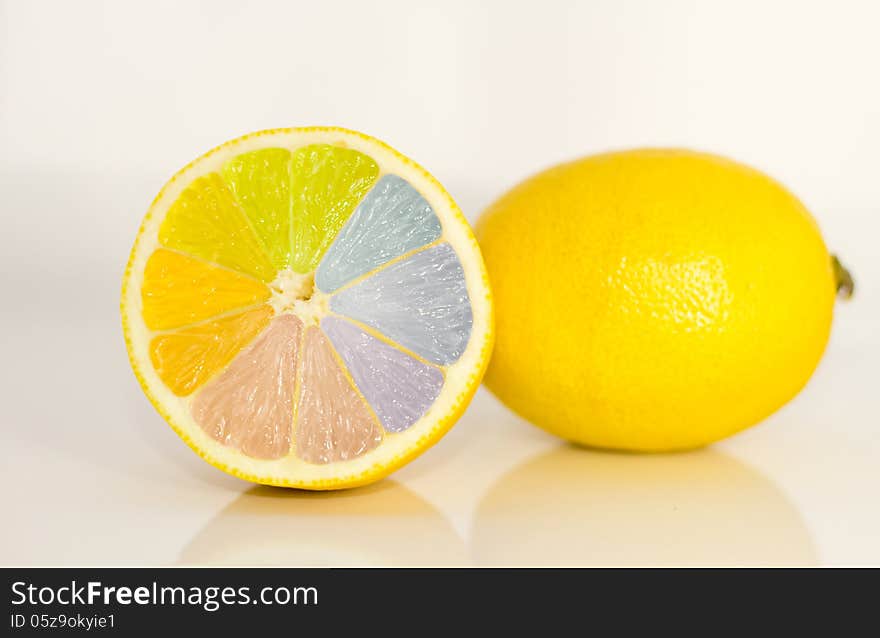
{"x": 420, "y": 303}
{"x": 392, "y": 220}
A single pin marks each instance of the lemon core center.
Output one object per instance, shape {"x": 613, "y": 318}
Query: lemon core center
{"x": 295, "y": 293}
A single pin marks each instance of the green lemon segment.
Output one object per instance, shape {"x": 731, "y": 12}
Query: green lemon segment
{"x": 260, "y": 181}
{"x": 206, "y": 222}
{"x": 327, "y": 183}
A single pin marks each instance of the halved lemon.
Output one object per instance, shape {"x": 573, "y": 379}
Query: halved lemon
{"x": 307, "y": 308}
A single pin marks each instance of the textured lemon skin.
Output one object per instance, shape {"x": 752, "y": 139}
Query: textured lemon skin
{"x": 652, "y": 300}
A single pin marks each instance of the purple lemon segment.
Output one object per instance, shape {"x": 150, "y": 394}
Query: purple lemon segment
{"x": 399, "y": 387}
{"x": 307, "y": 307}
{"x": 250, "y": 405}
{"x": 333, "y": 420}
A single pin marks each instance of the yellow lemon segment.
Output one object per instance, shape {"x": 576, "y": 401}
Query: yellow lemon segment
{"x": 180, "y": 290}
{"x": 328, "y": 182}
{"x": 207, "y": 222}
{"x": 186, "y": 359}
{"x": 260, "y": 181}
{"x": 654, "y": 299}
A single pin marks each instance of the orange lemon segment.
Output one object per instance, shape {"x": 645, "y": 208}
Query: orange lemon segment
{"x": 179, "y": 290}
{"x": 186, "y": 359}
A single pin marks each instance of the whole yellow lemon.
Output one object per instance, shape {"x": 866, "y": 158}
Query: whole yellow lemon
{"x": 655, "y": 299}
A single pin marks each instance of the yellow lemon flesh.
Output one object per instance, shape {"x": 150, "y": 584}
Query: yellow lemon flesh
{"x": 307, "y": 308}
{"x": 654, "y": 299}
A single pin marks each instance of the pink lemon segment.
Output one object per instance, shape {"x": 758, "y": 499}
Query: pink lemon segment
{"x": 335, "y": 423}
{"x": 250, "y": 405}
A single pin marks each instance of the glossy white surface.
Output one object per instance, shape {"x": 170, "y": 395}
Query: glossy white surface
{"x": 92, "y": 475}
{"x": 100, "y": 104}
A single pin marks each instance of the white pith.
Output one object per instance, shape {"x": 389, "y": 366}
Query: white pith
{"x": 290, "y": 294}
{"x": 296, "y": 294}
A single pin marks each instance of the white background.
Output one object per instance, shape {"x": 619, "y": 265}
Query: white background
{"x": 101, "y": 102}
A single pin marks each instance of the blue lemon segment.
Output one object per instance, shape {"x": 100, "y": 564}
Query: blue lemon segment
{"x": 300, "y": 304}
{"x": 420, "y": 302}
{"x": 392, "y": 220}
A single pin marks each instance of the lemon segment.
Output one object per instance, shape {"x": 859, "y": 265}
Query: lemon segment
{"x": 328, "y": 182}
{"x": 333, "y": 421}
{"x": 399, "y": 387}
{"x": 186, "y": 359}
{"x": 260, "y": 181}
{"x": 179, "y": 290}
{"x": 207, "y": 222}
{"x": 249, "y": 406}
{"x": 420, "y": 302}
{"x": 393, "y": 220}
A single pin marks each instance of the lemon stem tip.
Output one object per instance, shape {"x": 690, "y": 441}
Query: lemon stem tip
{"x": 843, "y": 279}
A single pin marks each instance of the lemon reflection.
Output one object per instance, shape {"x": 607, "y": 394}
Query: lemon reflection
{"x": 380, "y": 525}
{"x": 573, "y": 506}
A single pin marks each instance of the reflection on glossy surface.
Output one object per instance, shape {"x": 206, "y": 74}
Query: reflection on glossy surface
{"x": 379, "y": 525}
{"x": 574, "y": 506}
